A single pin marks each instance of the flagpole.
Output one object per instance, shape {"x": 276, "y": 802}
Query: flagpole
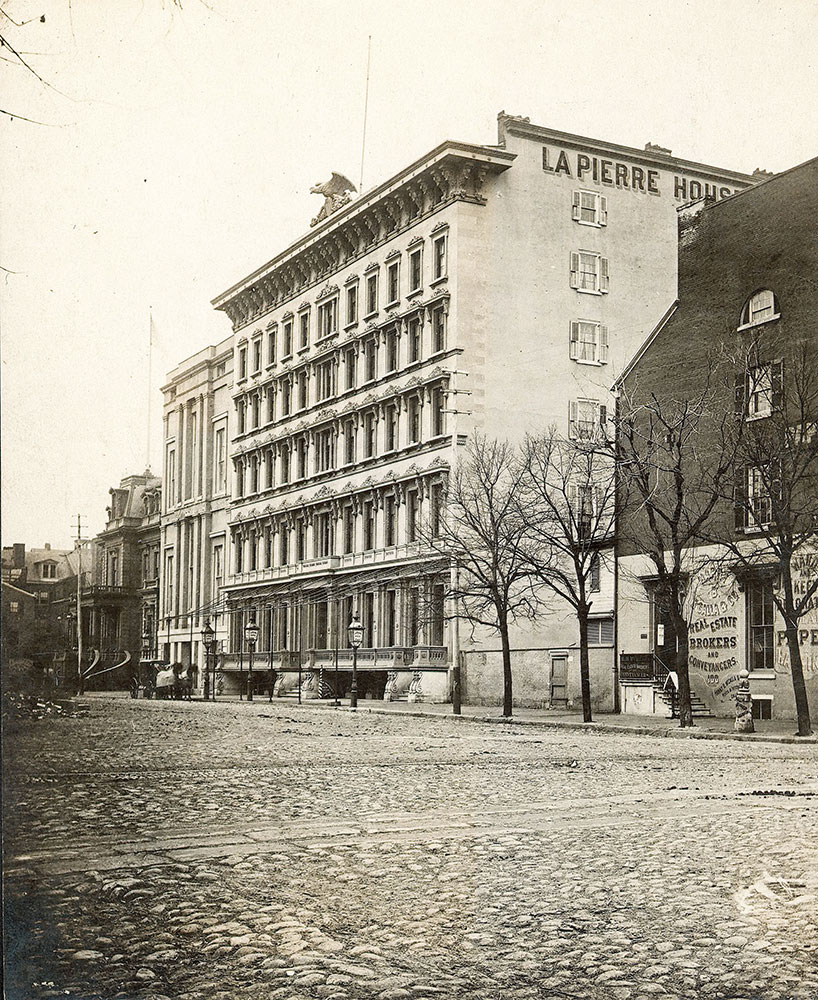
{"x": 150, "y": 375}
{"x": 366, "y": 110}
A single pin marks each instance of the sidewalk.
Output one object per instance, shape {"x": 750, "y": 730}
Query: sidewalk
{"x": 767, "y": 730}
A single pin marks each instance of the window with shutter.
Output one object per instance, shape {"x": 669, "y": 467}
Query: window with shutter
{"x": 575, "y": 270}
{"x": 604, "y": 279}
{"x": 603, "y": 210}
{"x": 603, "y": 345}
{"x": 594, "y": 574}
{"x": 575, "y": 207}
{"x": 573, "y": 344}
{"x": 572, "y": 420}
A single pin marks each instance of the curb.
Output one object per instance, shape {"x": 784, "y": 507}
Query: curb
{"x": 607, "y": 728}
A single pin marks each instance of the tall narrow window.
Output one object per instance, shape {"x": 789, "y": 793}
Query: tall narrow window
{"x": 369, "y": 525}
{"x": 288, "y": 339}
{"x": 271, "y": 347}
{"x": 389, "y": 527}
{"x": 413, "y": 331}
{"x": 415, "y": 270}
{"x": 371, "y": 294}
{"x": 391, "y": 415}
{"x": 414, "y": 419}
{"x": 284, "y": 458}
{"x": 286, "y": 397}
{"x": 391, "y": 350}
{"x": 328, "y": 318}
{"x": 391, "y": 617}
{"x": 438, "y": 415}
{"x": 440, "y": 263}
{"x": 350, "y": 363}
{"x": 761, "y": 615}
{"x": 370, "y": 359}
{"x": 257, "y": 355}
{"x": 220, "y": 460}
{"x": 349, "y": 440}
{"x": 301, "y": 451}
{"x": 304, "y": 327}
{"x": 393, "y": 282}
{"x": 303, "y": 389}
{"x": 326, "y": 379}
{"x": 352, "y": 305}
{"x": 436, "y": 514}
{"x": 349, "y": 529}
{"x": 411, "y": 516}
{"x": 438, "y": 329}
{"x": 242, "y": 362}
{"x": 369, "y": 435}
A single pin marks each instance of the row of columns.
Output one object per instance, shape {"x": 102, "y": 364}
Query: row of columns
{"x": 397, "y": 613}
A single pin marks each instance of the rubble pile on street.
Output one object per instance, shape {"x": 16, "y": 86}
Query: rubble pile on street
{"x": 28, "y": 706}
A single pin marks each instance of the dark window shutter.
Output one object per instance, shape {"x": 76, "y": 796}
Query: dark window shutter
{"x": 777, "y": 384}
{"x": 740, "y": 498}
{"x": 741, "y": 395}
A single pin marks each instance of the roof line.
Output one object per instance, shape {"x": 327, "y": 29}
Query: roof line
{"x": 646, "y": 344}
{"x": 708, "y": 205}
{"x": 360, "y": 202}
{"x": 661, "y": 159}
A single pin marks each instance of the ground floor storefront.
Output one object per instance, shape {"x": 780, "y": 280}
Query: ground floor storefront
{"x": 733, "y": 627}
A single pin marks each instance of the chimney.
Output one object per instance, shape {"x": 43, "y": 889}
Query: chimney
{"x": 47, "y": 546}
{"x": 651, "y": 147}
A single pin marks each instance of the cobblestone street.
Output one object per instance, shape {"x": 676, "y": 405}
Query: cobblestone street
{"x": 194, "y": 851}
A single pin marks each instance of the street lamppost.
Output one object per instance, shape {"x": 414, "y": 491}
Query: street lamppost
{"x": 356, "y": 637}
{"x": 251, "y": 631}
{"x": 208, "y": 638}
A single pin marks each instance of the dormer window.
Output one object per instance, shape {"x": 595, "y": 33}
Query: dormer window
{"x": 761, "y": 307}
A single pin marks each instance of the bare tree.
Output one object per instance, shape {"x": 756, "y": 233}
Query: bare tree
{"x": 675, "y": 456}
{"x": 567, "y": 503}
{"x": 475, "y": 523}
{"x": 775, "y": 490}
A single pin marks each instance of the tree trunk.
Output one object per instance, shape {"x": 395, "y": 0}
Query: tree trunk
{"x": 685, "y": 708}
{"x": 584, "y": 666}
{"x": 797, "y": 670}
{"x": 507, "y": 695}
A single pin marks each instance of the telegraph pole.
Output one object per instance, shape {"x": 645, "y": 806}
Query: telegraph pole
{"x": 80, "y": 679}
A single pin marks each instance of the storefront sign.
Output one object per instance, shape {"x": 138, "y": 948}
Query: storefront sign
{"x": 627, "y": 176}
{"x": 713, "y": 638}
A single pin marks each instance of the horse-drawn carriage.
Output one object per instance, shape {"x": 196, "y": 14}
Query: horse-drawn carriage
{"x": 164, "y": 680}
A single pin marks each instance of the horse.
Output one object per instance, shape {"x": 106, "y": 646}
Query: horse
{"x": 183, "y": 685}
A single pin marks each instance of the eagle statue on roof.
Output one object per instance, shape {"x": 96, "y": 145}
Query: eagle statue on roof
{"x": 337, "y": 193}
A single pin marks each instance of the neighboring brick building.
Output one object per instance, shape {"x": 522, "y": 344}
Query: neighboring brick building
{"x": 748, "y": 287}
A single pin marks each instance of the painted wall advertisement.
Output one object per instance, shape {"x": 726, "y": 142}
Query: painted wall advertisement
{"x": 716, "y": 622}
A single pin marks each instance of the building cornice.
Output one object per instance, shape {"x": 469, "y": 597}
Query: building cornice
{"x": 453, "y": 171}
{"x": 665, "y": 161}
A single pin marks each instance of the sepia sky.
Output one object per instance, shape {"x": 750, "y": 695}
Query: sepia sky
{"x": 179, "y": 147}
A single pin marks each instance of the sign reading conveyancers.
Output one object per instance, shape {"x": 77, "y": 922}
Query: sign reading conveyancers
{"x": 628, "y": 176}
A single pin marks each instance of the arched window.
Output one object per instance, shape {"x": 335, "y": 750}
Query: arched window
{"x": 761, "y": 307}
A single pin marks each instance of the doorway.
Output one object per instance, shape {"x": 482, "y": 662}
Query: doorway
{"x": 559, "y": 681}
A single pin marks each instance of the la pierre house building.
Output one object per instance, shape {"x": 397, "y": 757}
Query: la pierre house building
{"x": 484, "y": 288}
